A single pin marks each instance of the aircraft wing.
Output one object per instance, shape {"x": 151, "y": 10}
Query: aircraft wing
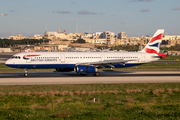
{"x": 107, "y": 62}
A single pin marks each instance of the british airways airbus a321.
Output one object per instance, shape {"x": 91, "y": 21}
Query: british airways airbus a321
{"x": 88, "y": 62}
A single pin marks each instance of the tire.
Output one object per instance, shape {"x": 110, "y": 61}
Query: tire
{"x": 96, "y": 73}
{"x": 25, "y": 74}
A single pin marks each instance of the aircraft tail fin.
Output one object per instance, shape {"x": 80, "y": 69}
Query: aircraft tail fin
{"x": 154, "y": 44}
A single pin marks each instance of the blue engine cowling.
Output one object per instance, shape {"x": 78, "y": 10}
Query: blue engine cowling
{"x": 83, "y": 69}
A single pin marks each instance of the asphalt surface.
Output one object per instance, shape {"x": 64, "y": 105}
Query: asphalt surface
{"x": 105, "y": 77}
{"x": 106, "y": 73}
{"x": 5, "y": 56}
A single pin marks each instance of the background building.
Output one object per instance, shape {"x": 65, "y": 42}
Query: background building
{"x": 171, "y": 40}
{"x": 17, "y": 37}
{"x": 123, "y": 37}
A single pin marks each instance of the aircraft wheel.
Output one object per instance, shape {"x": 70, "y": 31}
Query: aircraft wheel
{"x": 96, "y": 73}
{"x": 25, "y": 74}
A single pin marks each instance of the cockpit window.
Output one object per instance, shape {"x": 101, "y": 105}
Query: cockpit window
{"x": 16, "y": 57}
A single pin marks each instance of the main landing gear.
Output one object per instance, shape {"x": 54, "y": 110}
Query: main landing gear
{"x": 25, "y": 73}
{"x": 96, "y": 73}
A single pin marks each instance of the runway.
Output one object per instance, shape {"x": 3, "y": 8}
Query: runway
{"x": 5, "y": 56}
{"x": 105, "y": 77}
{"x": 105, "y": 73}
{"x": 73, "y": 78}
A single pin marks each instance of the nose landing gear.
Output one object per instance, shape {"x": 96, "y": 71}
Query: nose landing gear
{"x": 25, "y": 73}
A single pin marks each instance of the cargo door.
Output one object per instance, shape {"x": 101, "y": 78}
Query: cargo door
{"x": 102, "y": 57}
{"x": 142, "y": 57}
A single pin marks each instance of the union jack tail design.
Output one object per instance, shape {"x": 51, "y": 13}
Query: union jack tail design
{"x": 153, "y": 47}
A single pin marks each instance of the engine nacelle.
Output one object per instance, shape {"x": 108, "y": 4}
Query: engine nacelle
{"x": 83, "y": 69}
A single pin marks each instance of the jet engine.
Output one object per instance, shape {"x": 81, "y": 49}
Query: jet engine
{"x": 83, "y": 69}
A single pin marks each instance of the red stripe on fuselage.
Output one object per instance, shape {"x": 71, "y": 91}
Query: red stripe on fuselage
{"x": 30, "y": 55}
{"x": 158, "y": 37}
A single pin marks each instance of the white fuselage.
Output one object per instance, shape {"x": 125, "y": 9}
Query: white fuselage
{"x": 70, "y": 59}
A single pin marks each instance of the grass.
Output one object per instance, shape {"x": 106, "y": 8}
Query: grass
{"x": 171, "y": 58}
{"x": 154, "y": 66}
{"x": 112, "y": 101}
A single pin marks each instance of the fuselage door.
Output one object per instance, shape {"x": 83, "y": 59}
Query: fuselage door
{"x": 19, "y": 58}
{"x": 142, "y": 57}
{"x": 59, "y": 58}
{"x": 102, "y": 57}
{"x": 62, "y": 58}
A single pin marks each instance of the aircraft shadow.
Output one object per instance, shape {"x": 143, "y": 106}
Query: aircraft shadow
{"x": 63, "y": 74}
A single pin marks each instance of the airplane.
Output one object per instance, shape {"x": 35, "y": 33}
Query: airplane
{"x": 88, "y": 62}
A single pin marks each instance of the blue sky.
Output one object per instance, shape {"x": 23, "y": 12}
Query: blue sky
{"x": 135, "y": 17}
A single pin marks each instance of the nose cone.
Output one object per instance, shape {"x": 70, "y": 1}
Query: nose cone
{"x": 8, "y": 62}
{"x": 11, "y": 63}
